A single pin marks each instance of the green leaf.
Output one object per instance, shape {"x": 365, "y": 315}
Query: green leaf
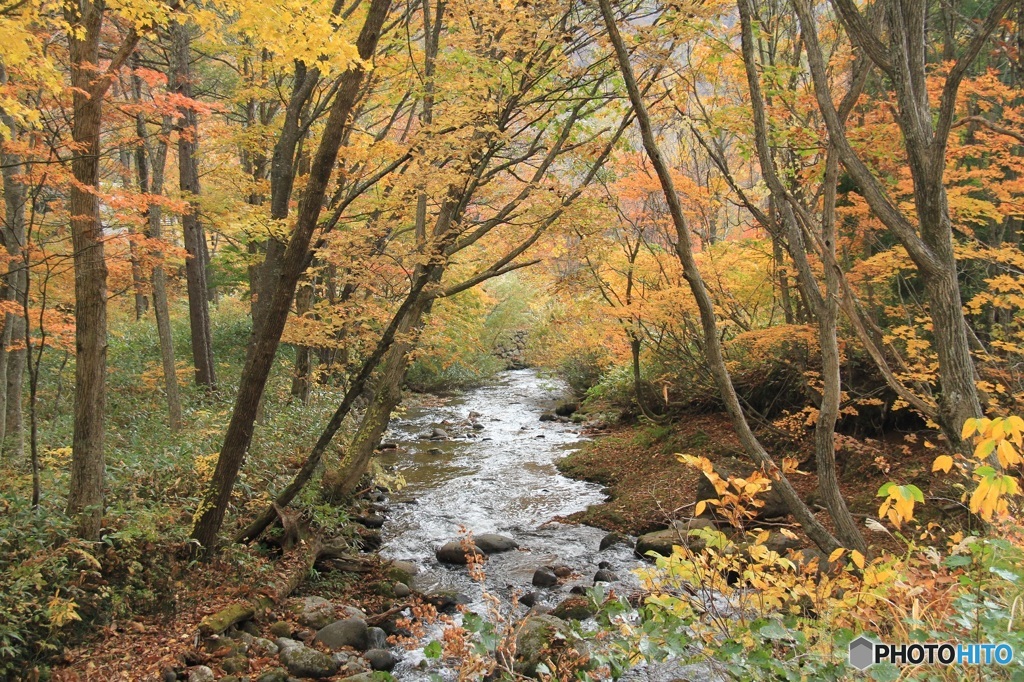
{"x": 433, "y": 650}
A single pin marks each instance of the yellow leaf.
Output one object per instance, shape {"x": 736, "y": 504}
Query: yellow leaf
{"x": 858, "y": 558}
{"x": 942, "y": 463}
{"x": 836, "y": 554}
{"x": 701, "y": 506}
{"x": 969, "y": 428}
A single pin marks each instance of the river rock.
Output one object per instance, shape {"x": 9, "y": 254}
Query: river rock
{"x": 361, "y": 677}
{"x": 544, "y": 577}
{"x": 376, "y": 638}
{"x": 281, "y": 628}
{"x": 774, "y": 506}
{"x": 200, "y": 673}
{"x": 454, "y": 552}
{"x": 605, "y": 576}
{"x": 275, "y": 675}
{"x": 381, "y": 659}
{"x": 612, "y": 539}
{"x": 529, "y": 599}
{"x": 446, "y": 601}
{"x": 349, "y": 632}
{"x": 490, "y": 543}
{"x": 402, "y": 571}
{"x": 561, "y": 570}
{"x": 235, "y": 664}
{"x": 435, "y": 451}
{"x": 302, "y": 661}
{"x": 542, "y": 637}
{"x": 549, "y": 417}
{"x": 566, "y": 409}
{"x": 370, "y": 520}
{"x": 314, "y": 612}
{"x": 574, "y": 608}
{"x": 264, "y": 646}
{"x": 439, "y": 434}
{"x": 662, "y": 541}
{"x": 781, "y": 543}
{"x": 401, "y": 590}
{"x": 389, "y": 446}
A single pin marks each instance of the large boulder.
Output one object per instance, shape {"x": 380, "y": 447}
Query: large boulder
{"x": 545, "y": 637}
{"x": 350, "y": 632}
{"x": 774, "y": 506}
{"x": 574, "y": 608}
{"x": 662, "y": 541}
{"x": 455, "y": 553}
{"x": 544, "y": 577}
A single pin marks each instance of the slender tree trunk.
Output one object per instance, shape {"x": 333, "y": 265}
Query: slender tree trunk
{"x": 387, "y": 395}
{"x": 150, "y": 163}
{"x": 15, "y": 285}
{"x": 260, "y": 358}
{"x": 195, "y": 237}
{"x": 824, "y": 308}
{"x": 301, "y": 378}
{"x": 712, "y": 344}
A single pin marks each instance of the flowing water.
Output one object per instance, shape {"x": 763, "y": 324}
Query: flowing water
{"x": 495, "y": 474}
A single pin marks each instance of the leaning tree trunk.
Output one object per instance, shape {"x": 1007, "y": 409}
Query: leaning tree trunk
{"x": 195, "y": 238}
{"x": 260, "y": 358}
{"x": 387, "y": 395}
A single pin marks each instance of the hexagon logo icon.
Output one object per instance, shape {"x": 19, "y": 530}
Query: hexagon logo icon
{"x": 862, "y": 653}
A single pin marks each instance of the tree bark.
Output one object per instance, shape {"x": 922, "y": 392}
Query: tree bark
{"x": 15, "y": 285}
{"x": 151, "y": 163}
{"x": 194, "y": 235}
{"x": 85, "y": 497}
{"x": 260, "y": 358}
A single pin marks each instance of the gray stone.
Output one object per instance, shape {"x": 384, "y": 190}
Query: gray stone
{"x": 544, "y": 577}
{"x": 781, "y": 543}
{"x": 361, "y": 677}
{"x": 438, "y": 434}
{"x": 264, "y": 646}
{"x": 612, "y": 539}
{"x": 350, "y": 632}
{"x": 562, "y": 571}
{"x": 662, "y": 541}
{"x": 314, "y": 612}
{"x": 275, "y": 675}
{"x": 605, "y": 576}
{"x": 381, "y": 659}
{"x": 200, "y": 673}
{"x": 303, "y": 661}
{"x": 376, "y": 638}
{"x": 454, "y": 553}
{"x": 490, "y": 543}
{"x": 402, "y": 571}
{"x": 401, "y": 590}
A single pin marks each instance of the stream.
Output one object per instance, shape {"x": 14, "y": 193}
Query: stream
{"x": 495, "y": 474}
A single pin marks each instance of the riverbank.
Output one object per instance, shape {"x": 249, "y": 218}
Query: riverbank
{"x": 648, "y": 487}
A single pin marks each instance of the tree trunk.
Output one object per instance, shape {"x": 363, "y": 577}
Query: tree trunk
{"x": 386, "y": 397}
{"x": 260, "y": 358}
{"x": 194, "y": 235}
{"x": 85, "y": 497}
{"x": 150, "y": 165}
{"x": 15, "y": 284}
{"x": 301, "y": 378}
{"x": 709, "y": 324}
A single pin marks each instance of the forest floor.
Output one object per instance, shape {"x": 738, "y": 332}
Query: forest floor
{"x": 648, "y": 486}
